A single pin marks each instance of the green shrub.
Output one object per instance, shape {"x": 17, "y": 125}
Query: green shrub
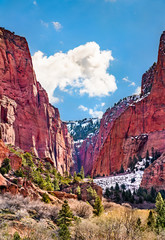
{"x": 98, "y": 207}
{"x": 45, "y": 198}
{"x": 5, "y": 167}
{"x": 16, "y": 236}
{"x": 27, "y": 159}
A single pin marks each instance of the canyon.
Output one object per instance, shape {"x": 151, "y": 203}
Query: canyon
{"x": 28, "y": 121}
{"x": 130, "y": 128}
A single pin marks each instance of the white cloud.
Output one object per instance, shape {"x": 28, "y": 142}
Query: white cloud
{"x": 57, "y": 26}
{"x": 125, "y": 79}
{"x": 103, "y": 104}
{"x": 137, "y": 91}
{"x": 35, "y": 3}
{"x": 82, "y": 70}
{"x": 132, "y": 84}
{"x": 95, "y": 114}
{"x": 44, "y": 24}
{"x": 83, "y": 108}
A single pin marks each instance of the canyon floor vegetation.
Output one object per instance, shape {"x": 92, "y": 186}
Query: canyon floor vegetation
{"x": 21, "y": 218}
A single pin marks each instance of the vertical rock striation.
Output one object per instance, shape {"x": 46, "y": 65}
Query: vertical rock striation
{"x": 27, "y": 119}
{"x": 140, "y": 127}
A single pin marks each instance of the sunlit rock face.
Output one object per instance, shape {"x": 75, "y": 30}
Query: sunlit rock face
{"x": 27, "y": 119}
{"x": 140, "y": 126}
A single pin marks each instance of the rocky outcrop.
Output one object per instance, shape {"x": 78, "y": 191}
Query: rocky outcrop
{"x": 154, "y": 175}
{"x": 87, "y": 151}
{"x": 4, "y": 152}
{"x": 27, "y": 119}
{"x": 140, "y": 127}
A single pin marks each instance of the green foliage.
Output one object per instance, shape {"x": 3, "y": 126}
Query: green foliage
{"x": 117, "y": 187}
{"x": 151, "y": 220}
{"x": 147, "y": 155}
{"x": 65, "y": 215}
{"x": 160, "y": 209}
{"x": 27, "y": 159}
{"x": 16, "y": 236}
{"x": 76, "y": 179}
{"x": 64, "y": 233}
{"x": 5, "y": 167}
{"x": 98, "y": 207}
{"x": 56, "y": 184}
{"x": 121, "y": 169}
{"x": 19, "y": 173}
{"x": 3, "y": 170}
{"x": 82, "y": 173}
{"x": 81, "y": 132}
{"x": 78, "y": 191}
{"x": 45, "y": 198}
{"x": 92, "y": 193}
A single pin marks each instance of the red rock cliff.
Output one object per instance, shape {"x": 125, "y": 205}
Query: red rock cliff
{"x": 140, "y": 127}
{"x": 154, "y": 175}
{"x": 27, "y": 119}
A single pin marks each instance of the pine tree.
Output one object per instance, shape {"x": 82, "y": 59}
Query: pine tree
{"x": 98, "y": 207}
{"x": 122, "y": 169}
{"x": 117, "y": 187}
{"x": 82, "y": 172}
{"x": 160, "y": 209}
{"x": 74, "y": 177}
{"x": 64, "y": 220}
{"x": 65, "y": 215}
{"x": 147, "y": 155}
{"x": 56, "y": 184}
{"x": 64, "y": 233}
{"x": 151, "y": 220}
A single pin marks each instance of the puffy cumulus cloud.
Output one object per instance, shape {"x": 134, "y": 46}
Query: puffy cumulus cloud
{"x": 137, "y": 91}
{"x": 82, "y": 70}
{"x": 83, "y": 108}
{"x": 57, "y": 26}
{"x": 95, "y": 114}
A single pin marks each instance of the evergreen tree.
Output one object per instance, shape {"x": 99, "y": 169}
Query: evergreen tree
{"x": 64, "y": 220}
{"x": 151, "y": 220}
{"x": 16, "y": 236}
{"x": 56, "y": 184}
{"x": 122, "y": 169}
{"x": 64, "y": 233}
{"x": 65, "y": 215}
{"x": 78, "y": 191}
{"x": 117, "y": 187}
{"x": 74, "y": 177}
{"x": 98, "y": 207}
{"x": 82, "y": 172}
{"x": 147, "y": 155}
{"x": 160, "y": 209}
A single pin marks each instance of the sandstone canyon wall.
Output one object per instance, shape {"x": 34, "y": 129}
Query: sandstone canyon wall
{"x": 27, "y": 119}
{"x": 141, "y": 126}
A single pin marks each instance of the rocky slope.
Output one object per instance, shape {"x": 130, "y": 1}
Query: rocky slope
{"x": 140, "y": 127}
{"x": 27, "y": 119}
{"x": 86, "y": 151}
{"x": 154, "y": 175}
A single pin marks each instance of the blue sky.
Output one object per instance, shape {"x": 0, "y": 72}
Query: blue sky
{"x": 87, "y": 53}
